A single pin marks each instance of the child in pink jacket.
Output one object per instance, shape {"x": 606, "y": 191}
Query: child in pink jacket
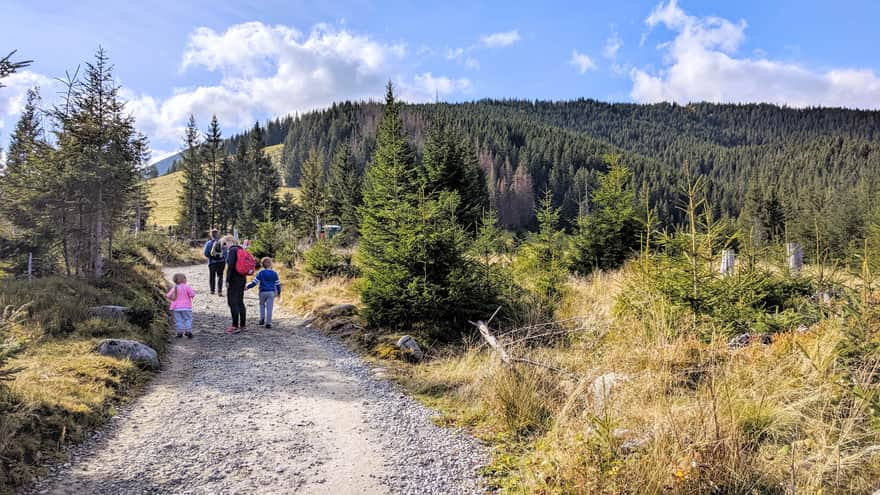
{"x": 181, "y": 296}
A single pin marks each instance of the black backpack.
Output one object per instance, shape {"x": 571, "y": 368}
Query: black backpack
{"x": 217, "y": 251}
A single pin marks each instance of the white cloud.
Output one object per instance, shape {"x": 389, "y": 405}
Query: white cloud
{"x": 700, "y": 64}
{"x": 582, "y": 62}
{"x": 13, "y": 95}
{"x": 277, "y": 70}
{"x": 425, "y": 87}
{"x": 496, "y": 40}
{"x": 612, "y": 45}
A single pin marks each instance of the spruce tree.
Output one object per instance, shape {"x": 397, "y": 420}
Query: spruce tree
{"x": 344, "y": 190}
{"x": 193, "y": 212}
{"x": 213, "y": 156}
{"x": 450, "y": 164}
{"x": 312, "y": 191}
{"x": 258, "y": 182}
{"x": 387, "y": 213}
{"x": 101, "y": 155}
{"x": 609, "y": 234}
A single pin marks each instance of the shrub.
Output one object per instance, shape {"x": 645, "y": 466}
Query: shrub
{"x": 321, "y": 261}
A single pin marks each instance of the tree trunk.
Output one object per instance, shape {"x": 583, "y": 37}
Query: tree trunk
{"x": 99, "y": 233}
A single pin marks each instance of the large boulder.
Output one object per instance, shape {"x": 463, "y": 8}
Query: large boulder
{"x": 141, "y": 354}
{"x": 410, "y": 348}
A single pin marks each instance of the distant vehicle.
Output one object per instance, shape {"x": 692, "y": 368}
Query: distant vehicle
{"x": 328, "y": 231}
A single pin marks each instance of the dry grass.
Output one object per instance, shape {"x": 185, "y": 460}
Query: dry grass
{"x": 303, "y": 295}
{"x": 690, "y": 416}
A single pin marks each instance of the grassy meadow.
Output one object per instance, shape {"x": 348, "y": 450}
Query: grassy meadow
{"x": 165, "y": 192}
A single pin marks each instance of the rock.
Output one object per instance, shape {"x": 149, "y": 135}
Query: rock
{"x": 603, "y": 386}
{"x": 410, "y": 347}
{"x": 341, "y": 310}
{"x": 109, "y": 312}
{"x": 634, "y": 445}
{"x": 803, "y": 329}
{"x": 129, "y": 349}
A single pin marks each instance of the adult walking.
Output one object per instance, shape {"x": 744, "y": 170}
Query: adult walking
{"x": 235, "y": 283}
{"x": 215, "y": 251}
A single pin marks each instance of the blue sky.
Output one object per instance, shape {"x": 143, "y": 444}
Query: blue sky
{"x": 250, "y": 60}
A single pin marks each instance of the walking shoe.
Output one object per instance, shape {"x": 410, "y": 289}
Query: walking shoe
{"x": 233, "y": 330}
{"x": 220, "y": 294}
{"x": 262, "y": 322}
{"x": 179, "y": 335}
{"x": 268, "y": 325}
{"x": 189, "y": 335}
{"x": 212, "y": 293}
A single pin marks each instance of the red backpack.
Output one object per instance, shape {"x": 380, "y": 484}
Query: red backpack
{"x": 244, "y": 263}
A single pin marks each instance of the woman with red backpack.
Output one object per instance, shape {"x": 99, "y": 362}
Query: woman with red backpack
{"x": 239, "y": 265}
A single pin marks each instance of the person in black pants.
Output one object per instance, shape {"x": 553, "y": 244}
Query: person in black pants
{"x": 235, "y": 284}
{"x": 215, "y": 251}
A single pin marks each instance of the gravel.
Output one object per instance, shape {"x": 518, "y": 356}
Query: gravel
{"x": 281, "y": 410}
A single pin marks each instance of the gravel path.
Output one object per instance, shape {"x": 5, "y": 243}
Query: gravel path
{"x": 285, "y": 410}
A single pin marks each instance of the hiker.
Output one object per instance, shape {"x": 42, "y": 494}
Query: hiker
{"x": 215, "y": 251}
{"x": 240, "y": 264}
{"x": 181, "y": 296}
{"x": 270, "y": 287}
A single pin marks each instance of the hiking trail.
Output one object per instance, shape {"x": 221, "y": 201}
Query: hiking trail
{"x": 281, "y": 410}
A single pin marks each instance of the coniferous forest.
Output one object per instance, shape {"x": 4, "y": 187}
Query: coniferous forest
{"x": 777, "y": 170}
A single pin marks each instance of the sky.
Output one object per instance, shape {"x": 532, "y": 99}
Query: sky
{"x": 248, "y": 61}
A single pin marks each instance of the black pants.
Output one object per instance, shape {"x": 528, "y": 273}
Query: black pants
{"x": 235, "y": 297}
{"x": 216, "y": 271}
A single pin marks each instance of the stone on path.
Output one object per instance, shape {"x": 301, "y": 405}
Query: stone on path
{"x": 141, "y": 354}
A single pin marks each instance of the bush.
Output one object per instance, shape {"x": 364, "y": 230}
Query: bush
{"x": 321, "y": 262}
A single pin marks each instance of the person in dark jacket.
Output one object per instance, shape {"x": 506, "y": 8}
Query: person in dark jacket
{"x": 216, "y": 254}
{"x": 235, "y": 283}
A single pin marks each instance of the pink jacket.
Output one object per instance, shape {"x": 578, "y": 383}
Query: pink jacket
{"x": 185, "y": 295}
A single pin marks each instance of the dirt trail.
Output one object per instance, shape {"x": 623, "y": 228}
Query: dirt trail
{"x": 283, "y": 410}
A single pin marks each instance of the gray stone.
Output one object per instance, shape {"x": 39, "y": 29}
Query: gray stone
{"x": 129, "y": 349}
{"x": 109, "y": 312}
{"x": 410, "y": 347}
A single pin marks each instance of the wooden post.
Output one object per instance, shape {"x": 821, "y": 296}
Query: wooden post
{"x": 30, "y": 267}
{"x": 728, "y": 259}
{"x": 493, "y": 343}
{"x": 795, "y": 257}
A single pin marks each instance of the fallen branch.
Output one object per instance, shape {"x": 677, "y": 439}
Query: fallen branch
{"x": 507, "y": 358}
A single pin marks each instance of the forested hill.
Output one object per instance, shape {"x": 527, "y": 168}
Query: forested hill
{"x": 805, "y": 157}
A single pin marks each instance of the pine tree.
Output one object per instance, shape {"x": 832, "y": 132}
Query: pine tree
{"x": 344, "y": 190}
{"x": 193, "y": 212}
{"x": 609, "y": 234}
{"x": 30, "y": 181}
{"x": 313, "y": 191}
{"x": 8, "y": 67}
{"x": 387, "y": 214}
{"x": 451, "y": 165}
{"x": 213, "y": 156}
{"x": 101, "y": 154}
{"x": 258, "y": 182}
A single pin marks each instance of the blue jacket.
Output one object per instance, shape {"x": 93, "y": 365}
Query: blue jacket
{"x": 268, "y": 280}
{"x": 208, "y": 246}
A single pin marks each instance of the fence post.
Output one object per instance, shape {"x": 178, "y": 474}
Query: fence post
{"x": 728, "y": 258}
{"x": 795, "y": 257}
{"x": 30, "y": 266}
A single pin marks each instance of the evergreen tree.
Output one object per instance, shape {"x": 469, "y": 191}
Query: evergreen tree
{"x": 101, "y": 155}
{"x": 213, "y": 156}
{"x": 8, "y": 67}
{"x": 451, "y": 165}
{"x": 344, "y": 190}
{"x": 609, "y": 234}
{"x": 192, "y": 216}
{"x": 313, "y": 192}
{"x": 259, "y": 182}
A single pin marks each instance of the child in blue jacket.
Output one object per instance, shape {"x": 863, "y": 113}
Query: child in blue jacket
{"x": 270, "y": 287}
